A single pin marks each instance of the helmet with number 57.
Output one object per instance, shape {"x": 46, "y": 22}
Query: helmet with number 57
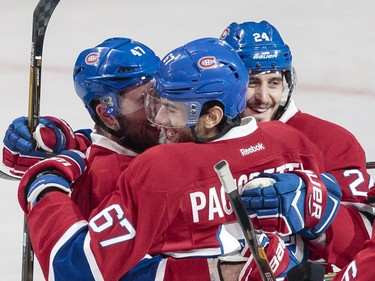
{"x": 262, "y": 50}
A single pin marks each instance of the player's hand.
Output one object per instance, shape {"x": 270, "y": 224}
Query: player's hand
{"x": 298, "y": 202}
{"x": 52, "y": 135}
{"x": 56, "y": 173}
{"x": 280, "y": 259}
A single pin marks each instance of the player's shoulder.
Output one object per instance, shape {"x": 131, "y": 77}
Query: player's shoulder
{"x": 158, "y": 155}
{"x": 316, "y": 123}
{"x": 278, "y": 127}
{"x": 104, "y": 158}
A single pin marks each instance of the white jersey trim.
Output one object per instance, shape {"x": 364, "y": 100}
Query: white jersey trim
{"x": 248, "y": 126}
{"x": 91, "y": 259}
{"x": 160, "y": 272}
{"x": 228, "y": 244}
{"x": 290, "y": 111}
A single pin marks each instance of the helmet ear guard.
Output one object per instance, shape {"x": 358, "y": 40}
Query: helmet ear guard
{"x": 291, "y": 79}
{"x": 111, "y": 104}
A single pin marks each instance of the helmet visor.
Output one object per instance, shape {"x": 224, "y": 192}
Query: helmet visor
{"x": 125, "y": 102}
{"x": 170, "y": 114}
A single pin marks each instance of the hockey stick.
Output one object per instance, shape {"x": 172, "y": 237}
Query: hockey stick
{"x": 260, "y": 258}
{"x": 5, "y": 176}
{"x": 41, "y": 16}
{"x": 370, "y": 165}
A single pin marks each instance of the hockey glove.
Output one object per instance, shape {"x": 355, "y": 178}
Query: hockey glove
{"x": 280, "y": 259}
{"x": 52, "y": 135}
{"x": 56, "y": 173}
{"x": 298, "y": 202}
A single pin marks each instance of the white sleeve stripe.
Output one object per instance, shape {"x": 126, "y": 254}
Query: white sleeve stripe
{"x": 91, "y": 259}
{"x": 329, "y": 219}
{"x": 160, "y": 273}
{"x": 67, "y": 235}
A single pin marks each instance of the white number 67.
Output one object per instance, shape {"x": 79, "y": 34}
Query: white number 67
{"x": 104, "y": 220}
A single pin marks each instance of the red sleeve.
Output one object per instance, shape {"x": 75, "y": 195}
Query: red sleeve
{"x": 57, "y": 212}
{"x": 362, "y": 267}
{"x": 344, "y": 156}
{"x": 128, "y": 226}
{"x": 344, "y": 238}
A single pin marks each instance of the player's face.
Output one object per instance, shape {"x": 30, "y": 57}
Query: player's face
{"x": 171, "y": 117}
{"x": 264, "y": 95}
{"x": 138, "y": 130}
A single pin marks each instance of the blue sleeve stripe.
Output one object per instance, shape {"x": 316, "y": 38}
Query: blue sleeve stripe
{"x": 68, "y": 260}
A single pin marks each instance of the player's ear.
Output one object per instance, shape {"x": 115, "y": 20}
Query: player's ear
{"x": 108, "y": 120}
{"x": 213, "y": 117}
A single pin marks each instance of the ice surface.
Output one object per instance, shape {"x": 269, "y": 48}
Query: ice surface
{"x": 333, "y": 45}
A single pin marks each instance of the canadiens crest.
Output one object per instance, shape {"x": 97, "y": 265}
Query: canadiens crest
{"x": 207, "y": 62}
{"x": 92, "y": 58}
{"x": 224, "y": 34}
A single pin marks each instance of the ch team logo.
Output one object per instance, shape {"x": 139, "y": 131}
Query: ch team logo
{"x": 225, "y": 33}
{"x": 207, "y": 62}
{"x": 92, "y": 58}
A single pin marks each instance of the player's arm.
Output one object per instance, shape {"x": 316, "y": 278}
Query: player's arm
{"x": 341, "y": 249}
{"x": 355, "y": 182}
{"x": 336, "y": 248}
{"x": 361, "y": 268}
{"x": 71, "y": 248}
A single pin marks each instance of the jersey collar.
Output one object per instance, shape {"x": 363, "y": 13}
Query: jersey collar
{"x": 107, "y": 143}
{"x": 248, "y": 125}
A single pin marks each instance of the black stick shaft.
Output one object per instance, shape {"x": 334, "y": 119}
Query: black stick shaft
{"x": 260, "y": 258}
{"x": 41, "y": 16}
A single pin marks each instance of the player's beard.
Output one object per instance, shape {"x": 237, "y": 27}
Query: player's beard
{"x": 140, "y": 134}
{"x": 175, "y": 135}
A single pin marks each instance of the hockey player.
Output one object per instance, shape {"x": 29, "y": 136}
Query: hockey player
{"x": 111, "y": 80}
{"x": 169, "y": 199}
{"x": 269, "y": 97}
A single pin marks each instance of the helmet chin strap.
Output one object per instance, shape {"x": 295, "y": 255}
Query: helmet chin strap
{"x": 280, "y": 111}
{"x": 229, "y": 124}
{"x": 289, "y": 79}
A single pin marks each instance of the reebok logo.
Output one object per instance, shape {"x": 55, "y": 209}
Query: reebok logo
{"x": 252, "y": 149}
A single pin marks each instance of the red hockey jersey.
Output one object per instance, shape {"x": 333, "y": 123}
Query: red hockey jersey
{"x": 169, "y": 200}
{"x": 345, "y": 159}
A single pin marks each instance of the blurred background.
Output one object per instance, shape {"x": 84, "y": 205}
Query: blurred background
{"x": 332, "y": 43}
